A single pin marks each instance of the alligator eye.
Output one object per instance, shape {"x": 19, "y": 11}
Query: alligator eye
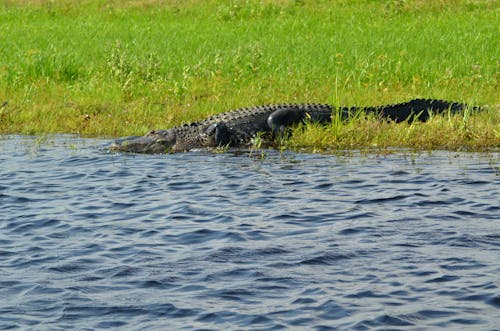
{"x": 151, "y": 132}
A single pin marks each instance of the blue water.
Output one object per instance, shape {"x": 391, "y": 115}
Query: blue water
{"x": 203, "y": 241}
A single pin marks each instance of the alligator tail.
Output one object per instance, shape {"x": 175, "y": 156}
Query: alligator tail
{"x": 417, "y": 109}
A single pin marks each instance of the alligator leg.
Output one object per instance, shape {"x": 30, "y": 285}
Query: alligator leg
{"x": 283, "y": 118}
{"x": 216, "y": 135}
{"x": 289, "y": 115}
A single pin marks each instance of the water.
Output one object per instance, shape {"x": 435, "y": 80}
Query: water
{"x": 92, "y": 240}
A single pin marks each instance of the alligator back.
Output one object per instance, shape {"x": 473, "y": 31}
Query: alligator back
{"x": 246, "y": 122}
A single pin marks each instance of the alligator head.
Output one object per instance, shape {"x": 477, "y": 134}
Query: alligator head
{"x": 154, "y": 142}
{"x": 177, "y": 139}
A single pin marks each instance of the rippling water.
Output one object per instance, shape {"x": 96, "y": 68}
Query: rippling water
{"x": 92, "y": 240}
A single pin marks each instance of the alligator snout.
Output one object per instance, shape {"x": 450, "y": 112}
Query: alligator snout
{"x": 152, "y": 143}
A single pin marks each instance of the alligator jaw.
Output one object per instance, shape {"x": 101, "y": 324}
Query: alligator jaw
{"x": 150, "y": 144}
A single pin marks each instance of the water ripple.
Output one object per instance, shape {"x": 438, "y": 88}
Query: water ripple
{"x": 203, "y": 241}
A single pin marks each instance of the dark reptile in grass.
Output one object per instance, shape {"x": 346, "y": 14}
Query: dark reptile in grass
{"x": 238, "y": 127}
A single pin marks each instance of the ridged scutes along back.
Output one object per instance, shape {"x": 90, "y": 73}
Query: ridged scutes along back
{"x": 240, "y": 113}
{"x": 260, "y": 113}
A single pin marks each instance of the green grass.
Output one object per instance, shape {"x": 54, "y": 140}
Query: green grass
{"x": 461, "y": 132}
{"x": 114, "y": 68}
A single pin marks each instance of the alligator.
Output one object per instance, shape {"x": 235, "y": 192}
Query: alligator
{"x": 238, "y": 127}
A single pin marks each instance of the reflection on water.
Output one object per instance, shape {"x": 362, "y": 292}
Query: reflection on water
{"x": 199, "y": 240}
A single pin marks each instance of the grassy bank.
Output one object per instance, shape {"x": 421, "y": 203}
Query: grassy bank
{"x": 118, "y": 68}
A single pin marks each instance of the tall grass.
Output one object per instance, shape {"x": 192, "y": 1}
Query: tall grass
{"x": 124, "y": 67}
{"x": 460, "y": 132}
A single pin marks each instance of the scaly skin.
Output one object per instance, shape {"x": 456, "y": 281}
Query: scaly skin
{"x": 237, "y": 128}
